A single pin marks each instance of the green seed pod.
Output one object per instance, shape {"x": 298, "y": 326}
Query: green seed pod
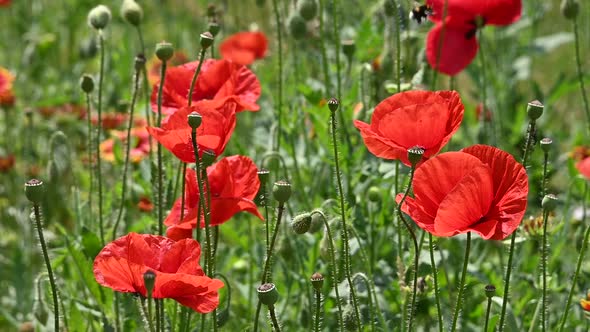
{"x": 546, "y": 144}
{"x": 206, "y": 40}
{"x": 317, "y": 281}
{"x": 268, "y": 294}
{"x": 149, "y": 279}
{"x": 570, "y": 9}
{"x": 374, "y": 194}
{"x": 333, "y": 104}
{"x": 297, "y": 26}
{"x": 214, "y": 28}
{"x": 308, "y": 9}
{"x": 88, "y": 48}
{"x": 348, "y": 48}
{"x": 490, "y": 291}
{"x": 415, "y": 155}
{"x": 164, "y": 51}
{"x": 208, "y": 158}
{"x": 99, "y": 17}
{"x": 549, "y": 202}
{"x": 534, "y": 110}
{"x": 263, "y": 175}
{"x": 139, "y": 62}
{"x": 87, "y": 83}
{"x": 281, "y": 191}
{"x": 194, "y": 120}
{"x": 35, "y": 191}
{"x": 301, "y": 223}
{"x": 131, "y": 12}
{"x": 222, "y": 317}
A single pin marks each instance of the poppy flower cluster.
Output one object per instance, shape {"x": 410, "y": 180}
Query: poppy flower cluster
{"x": 413, "y": 118}
{"x": 450, "y": 47}
{"x": 6, "y": 93}
{"x": 122, "y": 264}
{"x": 140, "y": 145}
{"x": 244, "y": 47}
{"x": 233, "y": 183}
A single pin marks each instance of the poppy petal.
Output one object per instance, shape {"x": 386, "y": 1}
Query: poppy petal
{"x": 199, "y": 293}
{"x": 583, "y": 167}
{"x": 454, "y": 53}
{"x": 244, "y": 47}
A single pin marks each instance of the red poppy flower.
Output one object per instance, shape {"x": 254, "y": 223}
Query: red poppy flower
{"x": 121, "y": 264}
{"x": 6, "y": 163}
{"x": 413, "y": 118}
{"x": 145, "y": 204}
{"x": 6, "y": 93}
{"x": 218, "y": 123}
{"x": 480, "y": 189}
{"x": 219, "y": 80}
{"x": 234, "y": 184}
{"x": 585, "y": 303}
{"x": 155, "y": 65}
{"x": 140, "y": 146}
{"x": 583, "y": 167}
{"x": 463, "y": 18}
{"x": 244, "y": 47}
{"x": 5, "y": 3}
{"x": 112, "y": 120}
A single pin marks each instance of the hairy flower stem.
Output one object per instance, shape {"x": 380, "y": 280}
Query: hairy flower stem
{"x": 318, "y": 311}
{"x": 333, "y": 270}
{"x": 90, "y": 159}
{"x": 581, "y": 73}
{"x": 183, "y": 197}
{"x": 146, "y": 88}
{"x": 459, "y": 303}
{"x": 580, "y": 260}
{"x": 410, "y": 319}
{"x": 97, "y": 144}
{"x": 488, "y": 310}
{"x": 273, "y": 318}
{"x": 127, "y": 151}
{"x": 37, "y": 216}
{"x": 157, "y": 319}
{"x": 544, "y": 271}
{"x": 160, "y": 194}
{"x": 146, "y": 314}
{"x": 194, "y": 80}
{"x": 435, "y": 281}
{"x": 344, "y": 225}
{"x": 370, "y": 297}
{"x": 279, "y": 25}
{"x": 527, "y": 148}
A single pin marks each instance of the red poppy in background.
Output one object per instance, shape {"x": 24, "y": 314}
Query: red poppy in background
{"x": 140, "y": 145}
{"x": 413, "y": 118}
{"x": 219, "y": 80}
{"x": 463, "y": 18}
{"x": 6, "y": 162}
{"x": 121, "y": 264}
{"x": 6, "y": 93}
{"x": 217, "y": 126}
{"x": 154, "y": 66}
{"x": 583, "y": 167}
{"x": 480, "y": 189}
{"x": 234, "y": 183}
{"x": 244, "y": 47}
{"x": 4, "y": 3}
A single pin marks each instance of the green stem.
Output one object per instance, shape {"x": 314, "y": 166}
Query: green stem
{"x": 370, "y": 298}
{"x": 159, "y": 156}
{"x": 90, "y": 161}
{"x": 344, "y": 231}
{"x": 183, "y": 197}
{"x": 37, "y": 214}
{"x": 488, "y": 310}
{"x": 435, "y": 280}
{"x": 318, "y": 310}
{"x": 580, "y": 72}
{"x": 194, "y": 80}
{"x": 273, "y": 317}
{"x": 440, "y": 44}
{"x": 398, "y": 50}
{"x": 146, "y": 88}
{"x": 158, "y": 327}
{"x": 279, "y": 29}
{"x": 99, "y": 129}
{"x": 144, "y": 314}
{"x": 127, "y": 152}
{"x": 544, "y": 271}
{"x": 459, "y": 303}
{"x": 579, "y": 263}
{"x": 325, "y": 69}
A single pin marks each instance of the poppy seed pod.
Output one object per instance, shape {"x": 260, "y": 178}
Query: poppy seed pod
{"x": 206, "y": 40}
{"x": 301, "y": 223}
{"x": 297, "y": 26}
{"x": 546, "y": 144}
{"x": 374, "y": 194}
{"x": 87, "y": 83}
{"x": 194, "y": 120}
{"x": 348, "y": 48}
{"x": 139, "y": 62}
{"x": 317, "y": 281}
{"x": 99, "y": 17}
{"x": 333, "y": 104}
{"x": 570, "y": 9}
{"x": 149, "y": 280}
{"x": 281, "y": 191}
{"x": 131, "y": 12}
{"x": 534, "y": 110}
{"x": 208, "y": 158}
{"x": 490, "y": 291}
{"x": 268, "y": 294}
{"x": 263, "y": 175}
{"x": 549, "y": 202}
{"x": 415, "y": 155}
{"x": 308, "y": 9}
{"x": 164, "y": 51}
{"x": 214, "y": 28}
{"x": 34, "y": 191}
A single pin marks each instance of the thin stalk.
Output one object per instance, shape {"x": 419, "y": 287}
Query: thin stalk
{"x": 325, "y": 69}
{"x": 149, "y": 309}
{"x": 544, "y": 271}
{"x": 194, "y": 80}
{"x": 435, "y": 281}
{"x": 416, "y": 257}
{"x": 484, "y": 88}
{"x": 459, "y": 303}
{"x": 275, "y": 7}
{"x": 158, "y": 327}
{"x": 318, "y": 310}
{"x": 146, "y": 88}
{"x": 273, "y": 317}
{"x": 90, "y": 161}
{"x": 398, "y": 50}
{"x": 99, "y": 129}
{"x": 544, "y": 183}
{"x": 580, "y": 72}
{"x": 344, "y": 231}
{"x": 183, "y": 197}
{"x": 488, "y": 310}
{"x": 440, "y": 44}
{"x": 144, "y": 314}
{"x": 580, "y": 260}
{"x": 159, "y": 156}
{"x": 370, "y": 298}
{"x": 37, "y": 214}
{"x": 127, "y": 151}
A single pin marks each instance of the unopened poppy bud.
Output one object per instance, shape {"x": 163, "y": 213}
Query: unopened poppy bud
{"x": 490, "y": 291}
{"x": 348, "y": 48}
{"x": 297, "y": 26}
{"x": 34, "y": 191}
{"x": 546, "y": 144}
{"x": 131, "y": 12}
{"x": 139, "y": 62}
{"x": 534, "y": 110}
{"x": 214, "y": 28}
{"x": 301, "y": 223}
{"x": 206, "y": 40}
{"x": 149, "y": 280}
{"x": 570, "y": 8}
{"x": 317, "y": 221}
{"x": 308, "y": 9}
{"x": 317, "y": 281}
{"x": 208, "y": 158}
{"x": 268, "y": 294}
{"x": 374, "y": 194}
{"x": 222, "y": 317}
{"x": 333, "y": 104}
{"x": 87, "y": 83}
{"x": 263, "y": 175}
{"x": 194, "y": 120}
{"x": 281, "y": 191}
{"x": 99, "y": 17}
{"x": 415, "y": 155}
{"x": 164, "y": 51}
{"x": 549, "y": 202}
